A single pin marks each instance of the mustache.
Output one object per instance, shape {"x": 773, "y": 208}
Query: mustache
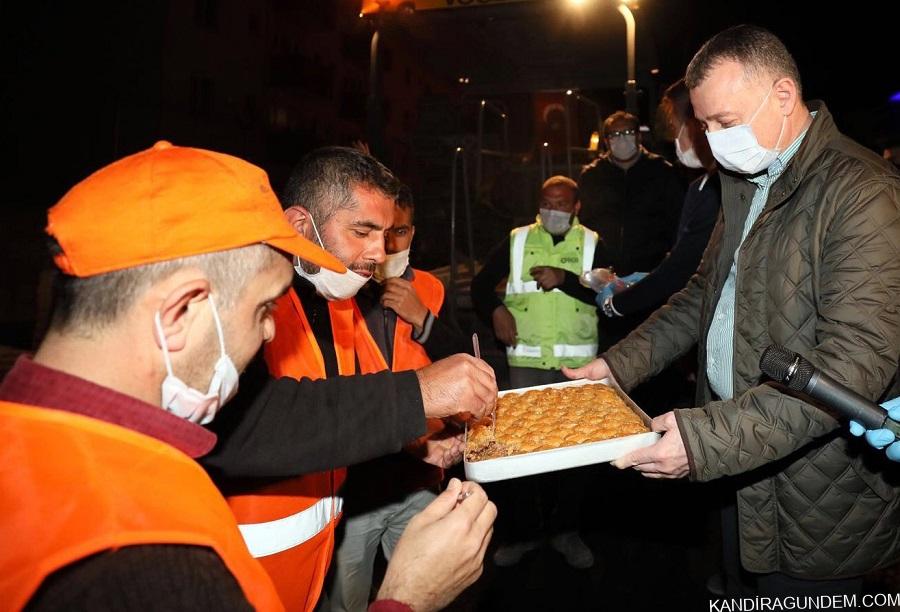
{"x": 367, "y": 268}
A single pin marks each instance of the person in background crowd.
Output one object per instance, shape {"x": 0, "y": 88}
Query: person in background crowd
{"x": 400, "y": 307}
{"x": 633, "y": 199}
{"x": 547, "y": 319}
{"x": 157, "y": 312}
{"x": 698, "y": 214}
{"x": 344, "y": 200}
{"x": 806, "y": 255}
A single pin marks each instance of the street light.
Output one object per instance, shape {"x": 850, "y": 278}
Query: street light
{"x": 631, "y": 83}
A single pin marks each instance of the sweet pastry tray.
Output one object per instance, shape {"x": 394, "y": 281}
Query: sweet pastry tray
{"x": 551, "y": 460}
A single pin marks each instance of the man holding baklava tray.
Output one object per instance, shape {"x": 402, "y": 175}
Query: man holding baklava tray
{"x": 806, "y": 255}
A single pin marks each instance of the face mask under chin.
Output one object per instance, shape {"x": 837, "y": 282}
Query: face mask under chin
{"x": 187, "y": 402}
{"x": 332, "y": 286}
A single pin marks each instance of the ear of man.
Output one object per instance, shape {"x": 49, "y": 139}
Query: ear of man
{"x": 178, "y": 310}
{"x": 786, "y": 94}
{"x": 299, "y": 218}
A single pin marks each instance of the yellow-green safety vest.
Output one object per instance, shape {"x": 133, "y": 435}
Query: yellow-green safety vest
{"x": 554, "y": 329}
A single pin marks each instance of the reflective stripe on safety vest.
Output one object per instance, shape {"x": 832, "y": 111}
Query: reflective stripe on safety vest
{"x": 279, "y": 535}
{"x": 575, "y": 350}
{"x": 559, "y": 350}
{"x": 523, "y": 350}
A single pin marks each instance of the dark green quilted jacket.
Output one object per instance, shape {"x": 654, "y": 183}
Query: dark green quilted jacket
{"x": 818, "y": 273}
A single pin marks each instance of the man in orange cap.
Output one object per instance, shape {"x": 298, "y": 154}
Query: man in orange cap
{"x": 171, "y": 261}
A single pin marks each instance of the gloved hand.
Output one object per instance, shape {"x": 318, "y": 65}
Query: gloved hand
{"x": 619, "y": 283}
{"x": 879, "y": 438}
{"x": 634, "y": 277}
{"x": 608, "y": 291}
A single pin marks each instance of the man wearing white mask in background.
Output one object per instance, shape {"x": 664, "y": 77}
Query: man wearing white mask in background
{"x": 343, "y": 200}
{"x": 633, "y": 199}
{"x": 547, "y": 320}
{"x": 400, "y": 306}
{"x": 806, "y": 254}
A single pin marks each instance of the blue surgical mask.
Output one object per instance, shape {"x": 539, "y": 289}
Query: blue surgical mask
{"x": 737, "y": 149}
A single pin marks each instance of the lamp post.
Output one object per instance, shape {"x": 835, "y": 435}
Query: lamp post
{"x": 630, "y": 83}
{"x": 374, "y": 118}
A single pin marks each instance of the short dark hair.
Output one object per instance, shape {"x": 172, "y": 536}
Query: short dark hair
{"x": 565, "y": 181}
{"x": 618, "y": 117}
{"x": 755, "y": 48}
{"x": 406, "y": 202}
{"x": 324, "y": 179}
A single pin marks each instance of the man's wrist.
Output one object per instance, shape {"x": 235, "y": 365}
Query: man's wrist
{"x": 421, "y": 334}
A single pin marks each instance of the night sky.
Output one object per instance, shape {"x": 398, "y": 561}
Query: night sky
{"x": 84, "y": 83}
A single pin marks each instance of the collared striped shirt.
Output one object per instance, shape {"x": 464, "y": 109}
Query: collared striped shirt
{"x": 720, "y": 341}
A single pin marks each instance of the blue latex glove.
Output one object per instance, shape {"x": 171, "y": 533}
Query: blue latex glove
{"x": 619, "y": 284}
{"x": 879, "y": 438}
{"x": 608, "y": 291}
{"x": 634, "y": 277}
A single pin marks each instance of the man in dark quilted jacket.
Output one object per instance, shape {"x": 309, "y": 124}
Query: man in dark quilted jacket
{"x": 807, "y": 255}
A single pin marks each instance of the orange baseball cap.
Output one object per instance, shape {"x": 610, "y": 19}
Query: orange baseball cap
{"x": 171, "y": 202}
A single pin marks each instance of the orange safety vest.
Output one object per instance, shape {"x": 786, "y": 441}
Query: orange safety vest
{"x": 289, "y": 525}
{"x": 72, "y": 486}
{"x": 409, "y": 354}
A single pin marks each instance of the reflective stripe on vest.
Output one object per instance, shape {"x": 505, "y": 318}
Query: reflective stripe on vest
{"x": 559, "y": 350}
{"x": 523, "y": 350}
{"x": 279, "y": 535}
{"x": 575, "y": 350}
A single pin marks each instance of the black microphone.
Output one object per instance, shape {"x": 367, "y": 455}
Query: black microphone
{"x": 792, "y": 370}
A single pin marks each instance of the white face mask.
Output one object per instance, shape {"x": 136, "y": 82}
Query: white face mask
{"x": 687, "y": 158}
{"x": 394, "y": 265}
{"x": 623, "y": 148}
{"x": 187, "y": 402}
{"x": 736, "y": 148}
{"x": 557, "y": 222}
{"x": 331, "y": 285}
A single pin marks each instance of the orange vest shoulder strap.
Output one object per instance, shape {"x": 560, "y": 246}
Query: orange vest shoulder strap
{"x": 294, "y": 351}
{"x": 102, "y": 487}
{"x": 353, "y": 340}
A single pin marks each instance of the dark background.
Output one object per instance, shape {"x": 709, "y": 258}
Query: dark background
{"x": 86, "y": 83}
